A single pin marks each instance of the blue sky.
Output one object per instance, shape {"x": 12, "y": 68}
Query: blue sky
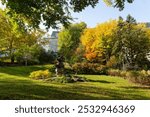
{"x": 140, "y": 10}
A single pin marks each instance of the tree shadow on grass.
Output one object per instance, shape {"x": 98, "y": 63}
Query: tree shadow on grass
{"x": 113, "y": 94}
{"x": 137, "y": 87}
{"x": 32, "y": 91}
{"x": 28, "y": 90}
{"x": 100, "y": 81}
{"x": 16, "y": 89}
{"x": 21, "y": 70}
{"x": 23, "y": 89}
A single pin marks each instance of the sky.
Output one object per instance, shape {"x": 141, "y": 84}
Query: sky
{"x": 139, "y": 9}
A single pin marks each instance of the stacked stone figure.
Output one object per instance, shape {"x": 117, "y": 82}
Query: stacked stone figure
{"x": 59, "y": 67}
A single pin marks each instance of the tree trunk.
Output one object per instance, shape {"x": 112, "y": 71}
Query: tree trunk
{"x": 26, "y": 62}
{"x": 12, "y": 59}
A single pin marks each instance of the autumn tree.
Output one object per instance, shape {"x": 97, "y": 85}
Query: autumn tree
{"x": 69, "y": 40}
{"x": 98, "y": 41}
{"x": 88, "y": 40}
{"x": 51, "y": 12}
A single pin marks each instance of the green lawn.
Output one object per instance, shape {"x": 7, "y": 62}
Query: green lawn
{"x": 15, "y": 84}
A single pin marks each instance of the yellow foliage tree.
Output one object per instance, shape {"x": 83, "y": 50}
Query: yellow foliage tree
{"x": 97, "y": 41}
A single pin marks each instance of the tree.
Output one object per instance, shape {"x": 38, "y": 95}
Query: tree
{"x": 51, "y": 12}
{"x": 117, "y": 3}
{"x": 13, "y": 37}
{"x": 88, "y": 40}
{"x": 131, "y": 43}
{"x": 9, "y": 34}
{"x": 28, "y": 53}
{"x": 29, "y": 47}
{"x": 69, "y": 40}
{"x": 4, "y": 27}
{"x": 98, "y": 41}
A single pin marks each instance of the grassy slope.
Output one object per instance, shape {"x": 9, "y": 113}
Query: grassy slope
{"x": 15, "y": 84}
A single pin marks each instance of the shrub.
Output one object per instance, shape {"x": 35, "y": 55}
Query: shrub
{"x": 123, "y": 74}
{"x": 101, "y": 70}
{"x": 148, "y": 72}
{"x": 67, "y": 79}
{"x": 112, "y": 62}
{"x": 68, "y": 69}
{"x": 51, "y": 68}
{"x": 46, "y": 56}
{"x": 144, "y": 73}
{"x": 114, "y": 72}
{"x": 63, "y": 79}
{"x": 141, "y": 77}
{"x": 133, "y": 76}
{"x": 40, "y": 74}
{"x": 144, "y": 77}
{"x": 89, "y": 68}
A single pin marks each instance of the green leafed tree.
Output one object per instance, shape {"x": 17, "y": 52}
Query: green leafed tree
{"x": 13, "y": 37}
{"x": 4, "y": 28}
{"x": 29, "y": 47}
{"x": 131, "y": 43}
{"x": 26, "y": 54}
{"x": 51, "y": 12}
{"x": 69, "y": 40}
{"x": 10, "y": 33}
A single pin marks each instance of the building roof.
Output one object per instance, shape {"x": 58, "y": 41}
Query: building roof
{"x": 54, "y": 35}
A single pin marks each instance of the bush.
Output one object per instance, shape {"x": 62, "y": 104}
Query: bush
{"x": 47, "y": 56}
{"x": 63, "y": 79}
{"x": 68, "y": 69}
{"x": 123, "y": 74}
{"x": 40, "y": 74}
{"x": 141, "y": 77}
{"x": 133, "y": 76}
{"x": 51, "y": 68}
{"x": 148, "y": 72}
{"x": 102, "y": 70}
{"x": 114, "y": 72}
{"x": 112, "y": 63}
{"x": 144, "y": 73}
{"x": 89, "y": 68}
{"x": 67, "y": 79}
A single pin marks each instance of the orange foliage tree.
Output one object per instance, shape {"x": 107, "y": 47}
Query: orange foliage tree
{"x": 98, "y": 41}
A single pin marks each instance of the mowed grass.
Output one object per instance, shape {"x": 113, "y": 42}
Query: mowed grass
{"x": 15, "y": 84}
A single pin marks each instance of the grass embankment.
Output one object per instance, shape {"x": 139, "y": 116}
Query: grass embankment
{"x": 15, "y": 84}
